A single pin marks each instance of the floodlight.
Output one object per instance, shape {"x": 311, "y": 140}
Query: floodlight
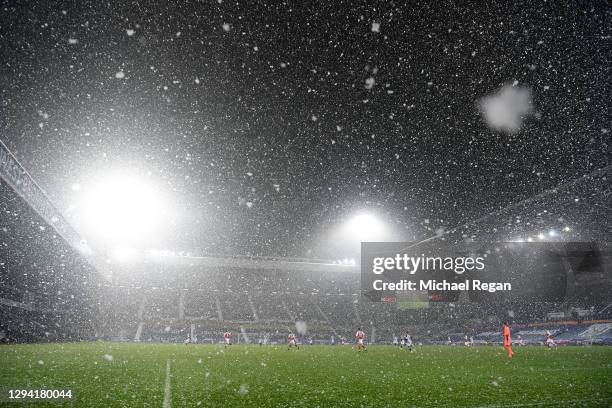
{"x": 120, "y": 209}
{"x": 365, "y": 227}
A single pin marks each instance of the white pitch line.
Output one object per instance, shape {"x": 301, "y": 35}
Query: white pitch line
{"x": 167, "y": 391}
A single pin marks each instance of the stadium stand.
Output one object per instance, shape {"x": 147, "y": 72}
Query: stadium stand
{"x": 48, "y": 291}
{"x": 206, "y": 302}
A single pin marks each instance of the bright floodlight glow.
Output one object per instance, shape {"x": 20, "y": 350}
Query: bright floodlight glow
{"x": 365, "y": 227}
{"x": 124, "y": 254}
{"x": 552, "y": 233}
{"x": 121, "y": 209}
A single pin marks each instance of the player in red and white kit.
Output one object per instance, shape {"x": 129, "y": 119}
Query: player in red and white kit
{"x": 550, "y": 342}
{"x": 227, "y": 337}
{"x": 360, "y": 337}
{"x": 292, "y": 341}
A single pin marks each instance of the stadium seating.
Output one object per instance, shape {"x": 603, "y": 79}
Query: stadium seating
{"x": 48, "y": 291}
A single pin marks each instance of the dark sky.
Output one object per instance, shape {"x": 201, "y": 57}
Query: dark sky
{"x": 279, "y": 137}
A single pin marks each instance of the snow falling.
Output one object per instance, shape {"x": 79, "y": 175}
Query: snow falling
{"x": 205, "y": 174}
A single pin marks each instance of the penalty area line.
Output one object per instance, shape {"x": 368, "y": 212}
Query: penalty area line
{"x": 167, "y": 390}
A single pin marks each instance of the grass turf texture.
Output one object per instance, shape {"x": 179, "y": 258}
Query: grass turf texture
{"x": 325, "y": 376}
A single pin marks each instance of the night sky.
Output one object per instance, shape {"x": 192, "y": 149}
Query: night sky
{"x": 270, "y": 123}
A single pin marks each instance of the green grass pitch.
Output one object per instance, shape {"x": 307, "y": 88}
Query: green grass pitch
{"x": 315, "y": 376}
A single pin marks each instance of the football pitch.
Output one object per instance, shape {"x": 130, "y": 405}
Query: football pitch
{"x": 178, "y": 375}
